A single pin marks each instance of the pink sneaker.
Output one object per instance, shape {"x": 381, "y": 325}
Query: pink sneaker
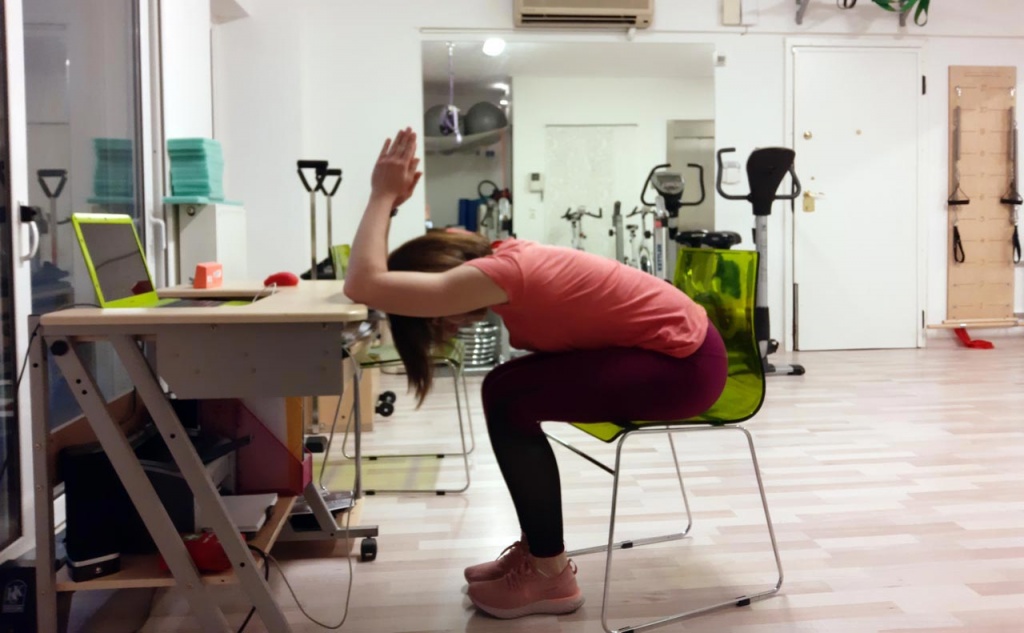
{"x": 525, "y": 591}
{"x": 508, "y": 560}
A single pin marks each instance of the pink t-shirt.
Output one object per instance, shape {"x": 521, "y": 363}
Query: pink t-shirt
{"x": 562, "y": 299}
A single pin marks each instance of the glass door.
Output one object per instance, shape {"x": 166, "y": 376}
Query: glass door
{"x": 84, "y": 152}
{"x": 16, "y": 242}
{"x": 70, "y": 142}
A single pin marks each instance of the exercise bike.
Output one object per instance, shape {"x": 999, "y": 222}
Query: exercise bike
{"x": 670, "y": 187}
{"x": 640, "y": 253}
{"x": 766, "y": 168}
{"x": 617, "y": 232}
{"x": 576, "y": 220}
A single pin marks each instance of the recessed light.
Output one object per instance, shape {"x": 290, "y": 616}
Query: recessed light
{"x": 494, "y": 46}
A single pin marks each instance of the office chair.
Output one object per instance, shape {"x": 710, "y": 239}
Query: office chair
{"x": 724, "y": 282}
{"x": 384, "y": 356}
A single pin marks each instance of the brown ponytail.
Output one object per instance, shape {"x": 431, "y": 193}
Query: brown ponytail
{"x": 415, "y": 337}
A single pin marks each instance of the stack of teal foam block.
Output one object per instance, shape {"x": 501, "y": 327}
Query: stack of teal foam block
{"x": 114, "y": 178}
{"x": 197, "y": 168}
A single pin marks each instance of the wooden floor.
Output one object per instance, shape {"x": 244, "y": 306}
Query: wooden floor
{"x": 895, "y": 478}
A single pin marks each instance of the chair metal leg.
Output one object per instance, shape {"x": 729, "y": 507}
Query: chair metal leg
{"x": 682, "y": 486}
{"x": 631, "y": 543}
{"x": 611, "y": 546}
{"x": 457, "y": 377}
{"x": 469, "y": 414}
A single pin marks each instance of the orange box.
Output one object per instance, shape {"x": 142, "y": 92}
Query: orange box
{"x": 209, "y": 275}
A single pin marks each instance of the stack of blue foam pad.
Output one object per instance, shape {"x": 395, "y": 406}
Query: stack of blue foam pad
{"x": 114, "y": 178}
{"x": 197, "y": 167}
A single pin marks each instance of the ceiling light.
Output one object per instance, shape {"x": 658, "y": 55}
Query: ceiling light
{"x": 494, "y": 46}
{"x": 503, "y": 102}
{"x": 501, "y": 86}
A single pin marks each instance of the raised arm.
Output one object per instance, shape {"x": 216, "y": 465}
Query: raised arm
{"x": 457, "y": 291}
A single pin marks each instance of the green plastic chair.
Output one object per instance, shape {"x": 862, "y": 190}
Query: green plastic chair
{"x": 382, "y": 356}
{"x": 725, "y": 283}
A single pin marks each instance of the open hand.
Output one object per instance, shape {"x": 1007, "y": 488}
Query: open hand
{"x": 395, "y": 175}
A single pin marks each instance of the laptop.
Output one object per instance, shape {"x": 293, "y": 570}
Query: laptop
{"x": 339, "y": 259}
{"x": 117, "y": 264}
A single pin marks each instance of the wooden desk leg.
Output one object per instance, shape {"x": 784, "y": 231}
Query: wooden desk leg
{"x": 46, "y": 593}
{"x": 133, "y": 478}
{"x": 206, "y": 496}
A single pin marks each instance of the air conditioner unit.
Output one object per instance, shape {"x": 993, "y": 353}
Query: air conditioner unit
{"x": 584, "y": 13}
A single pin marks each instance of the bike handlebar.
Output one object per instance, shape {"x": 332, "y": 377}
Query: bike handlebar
{"x": 796, "y": 187}
{"x": 641, "y": 211}
{"x": 581, "y": 212}
{"x": 643, "y": 192}
{"x": 700, "y": 180}
{"x": 718, "y": 180}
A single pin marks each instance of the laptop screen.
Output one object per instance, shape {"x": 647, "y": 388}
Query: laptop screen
{"x": 120, "y": 267}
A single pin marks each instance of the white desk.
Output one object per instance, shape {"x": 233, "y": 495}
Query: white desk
{"x": 286, "y": 344}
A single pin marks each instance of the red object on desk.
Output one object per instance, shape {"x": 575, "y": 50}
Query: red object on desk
{"x": 282, "y": 279}
{"x": 209, "y": 275}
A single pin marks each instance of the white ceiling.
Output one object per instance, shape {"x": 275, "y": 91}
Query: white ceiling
{"x": 581, "y": 59}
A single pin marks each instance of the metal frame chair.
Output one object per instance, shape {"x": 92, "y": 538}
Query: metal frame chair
{"x": 725, "y": 283}
{"x": 451, "y": 357}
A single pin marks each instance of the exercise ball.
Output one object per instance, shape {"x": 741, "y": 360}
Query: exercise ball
{"x": 433, "y": 118}
{"x": 485, "y": 117}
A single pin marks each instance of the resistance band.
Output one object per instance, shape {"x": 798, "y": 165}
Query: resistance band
{"x": 958, "y": 198}
{"x": 1012, "y": 196}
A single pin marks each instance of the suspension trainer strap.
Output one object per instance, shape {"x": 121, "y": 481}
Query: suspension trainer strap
{"x": 1016, "y": 245}
{"x": 958, "y": 246}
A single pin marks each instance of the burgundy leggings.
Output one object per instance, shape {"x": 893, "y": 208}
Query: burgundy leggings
{"x": 602, "y": 385}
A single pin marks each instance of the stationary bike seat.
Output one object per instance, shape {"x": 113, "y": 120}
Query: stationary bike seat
{"x": 710, "y": 239}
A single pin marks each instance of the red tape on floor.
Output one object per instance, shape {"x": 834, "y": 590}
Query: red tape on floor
{"x": 965, "y": 338}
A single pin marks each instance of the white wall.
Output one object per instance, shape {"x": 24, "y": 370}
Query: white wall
{"x": 258, "y": 115}
{"x": 319, "y": 77}
{"x": 186, "y": 69}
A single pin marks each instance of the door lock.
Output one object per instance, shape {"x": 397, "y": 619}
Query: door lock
{"x": 810, "y": 197}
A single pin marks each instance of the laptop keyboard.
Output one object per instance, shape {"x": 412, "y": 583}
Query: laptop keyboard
{"x": 194, "y": 303}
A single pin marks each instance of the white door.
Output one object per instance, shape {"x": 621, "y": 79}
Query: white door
{"x": 855, "y": 255}
{"x": 588, "y": 166}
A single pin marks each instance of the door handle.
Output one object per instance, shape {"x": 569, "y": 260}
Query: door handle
{"x": 809, "y": 199}
{"x": 28, "y": 218}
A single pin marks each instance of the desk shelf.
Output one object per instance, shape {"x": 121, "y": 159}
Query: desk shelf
{"x": 143, "y": 570}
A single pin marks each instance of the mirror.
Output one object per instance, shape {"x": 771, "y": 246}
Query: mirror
{"x": 584, "y": 124}
{"x": 81, "y": 95}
